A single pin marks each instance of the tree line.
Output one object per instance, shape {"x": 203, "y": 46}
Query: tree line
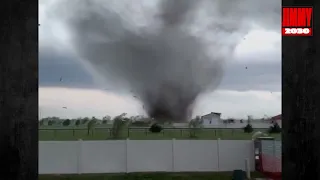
{"x": 57, "y": 121}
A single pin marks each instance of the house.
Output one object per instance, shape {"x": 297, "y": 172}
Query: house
{"x": 212, "y": 119}
{"x": 276, "y": 119}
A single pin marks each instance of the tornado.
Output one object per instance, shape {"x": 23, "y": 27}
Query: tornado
{"x": 165, "y": 53}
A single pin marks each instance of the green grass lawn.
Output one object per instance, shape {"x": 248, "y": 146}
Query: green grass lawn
{"x": 65, "y": 134}
{"x": 148, "y": 176}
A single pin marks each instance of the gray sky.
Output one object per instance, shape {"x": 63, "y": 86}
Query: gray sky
{"x": 251, "y": 84}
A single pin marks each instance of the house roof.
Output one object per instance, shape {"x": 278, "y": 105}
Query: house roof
{"x": 278, "y": 117}
{"x": 212, "y": 113}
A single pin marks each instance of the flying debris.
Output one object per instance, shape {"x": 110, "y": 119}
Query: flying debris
{"x": 60, "y": 79}
{"x": 64, "y": 107}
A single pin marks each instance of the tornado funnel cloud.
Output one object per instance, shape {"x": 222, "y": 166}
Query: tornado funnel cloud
{"x": 165, "y": 65}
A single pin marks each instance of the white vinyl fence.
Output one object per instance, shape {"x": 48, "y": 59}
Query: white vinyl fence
{"x": 120, "y": 156}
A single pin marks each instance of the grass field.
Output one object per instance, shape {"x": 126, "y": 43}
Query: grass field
{"x": 103, "y": 133}
{"x": 148, "y": 176}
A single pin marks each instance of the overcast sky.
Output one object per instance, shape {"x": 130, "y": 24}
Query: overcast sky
{"x": 251, "y": 84}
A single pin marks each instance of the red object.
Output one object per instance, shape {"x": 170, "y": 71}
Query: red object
{"x": 278, "y": 117}
{"x": 271, "y": 166}
{"x": 269, "y": 162}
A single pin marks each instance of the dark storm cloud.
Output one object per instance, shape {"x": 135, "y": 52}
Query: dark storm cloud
{"x": 148, "y": 62}
{"x": 167, "y": 65}
{"x": 263, "y": 75}
{"x": 53, "y": 66}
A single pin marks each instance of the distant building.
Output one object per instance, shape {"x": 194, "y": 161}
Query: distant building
{"x": 212, "y": 119}
{"x": 276, "y": 119}
{"x": 180, "y": 125}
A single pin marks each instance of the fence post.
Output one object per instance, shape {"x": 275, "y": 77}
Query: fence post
{"x": 127, "y": 155}
{"x": 274, "y": 155}
{"x": 247, "y": 168}
{"x": 173, "y": 152}
{"x": 254, "y": 153}
{"x": 218, "y": 153}
{"x": 79, "y": 156}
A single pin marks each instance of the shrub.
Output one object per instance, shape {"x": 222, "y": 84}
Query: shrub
{"x": 155, "y": 128}
{"x": 275, "y": 128}
{"x": 66, "y": 122}
{"x": 248, "y": 128}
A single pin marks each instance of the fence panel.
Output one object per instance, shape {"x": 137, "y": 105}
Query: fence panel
{"x": 196, "y": 155}
{"x": 233, "y": 153}
{"x": 103, "y": 156}
{"x": 149, "y": 155}
{"x": 56, "y": 157}
{"x": 71, "y": 157}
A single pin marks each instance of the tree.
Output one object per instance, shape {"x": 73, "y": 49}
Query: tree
{"x": 106, "y": 119}
{"x": 118, "y": 125}
{"x": 275, "y": 128}
{"x": 50, "y": 123}
{"x": 77, "y": 122}
{"x": 249, "y": 119}
{"x": 90, "y": 126}
{"x": 66, "y": 122}
{"x": 195, "y": 125}
{"x": 127, "y": 120}
{"x": 41, "y": 122}
{"x": 248, "y": 128}
{"x": 85, "y": 120}
{"x": 55, "y": 120}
